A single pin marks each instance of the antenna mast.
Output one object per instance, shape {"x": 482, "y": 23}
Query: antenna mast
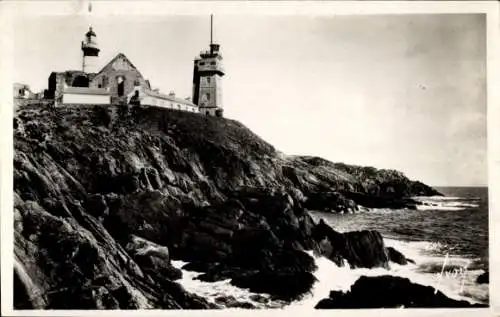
{"x": 211, "y": 28}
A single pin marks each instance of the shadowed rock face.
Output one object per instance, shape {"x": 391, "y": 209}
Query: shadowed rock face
{"x": 106, "y": 196}
{"x": 389, "y": 292}
{"x": 483, "y": 278}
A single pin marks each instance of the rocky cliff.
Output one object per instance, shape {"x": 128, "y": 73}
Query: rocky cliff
{"x": 105, "y": 197}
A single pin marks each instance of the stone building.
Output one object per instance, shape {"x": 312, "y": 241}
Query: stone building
{"x": 119, "y": 82}
{"x": 207, "y": 75}
{"x": 22, "y": 94}
{"x": 21, "y": 91}
{"x": 117, "y": 78}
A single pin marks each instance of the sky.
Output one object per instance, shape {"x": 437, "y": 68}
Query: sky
{"x": 404, "y": 92}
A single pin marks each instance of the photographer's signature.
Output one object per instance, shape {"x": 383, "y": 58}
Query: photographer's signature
{"x": 456, "y": 273}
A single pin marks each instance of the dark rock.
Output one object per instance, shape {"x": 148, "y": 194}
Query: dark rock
{"x": 389, "y": 292}
{"x": 152, "y": 258}
{"x": 231, "y": 302}
{"x": 206, "y": 189}
{"x": 396, "y": 256}
{"x": 244, "y": 305}
{"x": 376, "y": 201}
{"x": 124, "y": 298}
{"x": 364, "y": 249}
{"x": 183, "y": 298}
{"x": 330, "y": 202}
{"x": 483, "y": 278}
{"x": 282, "y": 285}
{"x": 259, "y": 298}
{"x": 201, "y": 267}
{"x": 97, "y": 206}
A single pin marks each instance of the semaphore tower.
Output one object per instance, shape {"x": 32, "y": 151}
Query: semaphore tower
{"x": 207, "y": 75}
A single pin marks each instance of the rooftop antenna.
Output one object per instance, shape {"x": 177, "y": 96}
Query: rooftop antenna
{"x": 211, "y": 28}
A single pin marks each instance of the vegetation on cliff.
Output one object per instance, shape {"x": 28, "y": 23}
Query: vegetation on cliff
{"x": 106, "y": 196}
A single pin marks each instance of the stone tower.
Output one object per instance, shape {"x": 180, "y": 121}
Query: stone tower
{"x": 90, "y": 53}
{"x": 207, "y": 75}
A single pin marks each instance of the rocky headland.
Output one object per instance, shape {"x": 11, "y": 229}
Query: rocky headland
{"x": 106, "y": 197}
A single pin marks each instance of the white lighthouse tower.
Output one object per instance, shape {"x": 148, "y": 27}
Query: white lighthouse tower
{"x": 90, "y": 52}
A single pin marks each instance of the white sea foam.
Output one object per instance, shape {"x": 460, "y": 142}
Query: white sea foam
{"x": 458, "y": 280}
{"x": 445, "y": 203}
{"x": 459, "y": 286}
{"x": 212, "y": 290}
{"x": 454, "y": 283}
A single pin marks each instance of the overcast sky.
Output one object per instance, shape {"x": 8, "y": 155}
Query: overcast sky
{"x": 405, "y": 92}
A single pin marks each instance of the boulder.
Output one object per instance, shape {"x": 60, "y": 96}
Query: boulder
{"x": 361, "y": 249}
{"x": 285, "y": 286}
{"x": 483, "y": 278}
{"x": 389, "y": 292}
{"x": 152, "y": 258}
{"x": 396, "y": 256}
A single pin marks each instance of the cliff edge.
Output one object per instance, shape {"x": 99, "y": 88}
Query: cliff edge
{"x": 106, "y": 196}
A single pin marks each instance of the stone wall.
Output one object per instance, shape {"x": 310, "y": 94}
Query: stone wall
{"x": 120, "y": 67}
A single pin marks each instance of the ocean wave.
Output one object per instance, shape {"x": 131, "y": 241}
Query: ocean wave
{"x": 436, "y": 265}
{"x": 457, "y": 281}
{"x": 437, "y": 207}
{"x": 446, "y": 198}
{"x": 213, "y": 290}
{"x": 446, "y": 203}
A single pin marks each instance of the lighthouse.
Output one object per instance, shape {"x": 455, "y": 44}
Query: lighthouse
{"x": 90, "y": 52}
{"x": 207, "y": 75}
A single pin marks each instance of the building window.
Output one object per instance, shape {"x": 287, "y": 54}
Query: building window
{"x": 212, "y": 63}
{"x": 105, "y": 81}
{"x": 202, "y": 63}
{"x": 208, "y": 96}
{"x": 208, "y": 80}
{"x": 136, "y": 82}
{"x": 121, "y": 85}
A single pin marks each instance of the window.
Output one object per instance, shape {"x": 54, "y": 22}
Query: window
{"x": 212, "y": 63}
{"x": 208, "y": 96}
{"x": 121, "y": 85}
{"x": 105, "y": 81}
{"x": 208, "y": 80}
{"x": 202, "y": 63}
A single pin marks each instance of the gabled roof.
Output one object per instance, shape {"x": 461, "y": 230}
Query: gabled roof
{"x": 119, "y": 55}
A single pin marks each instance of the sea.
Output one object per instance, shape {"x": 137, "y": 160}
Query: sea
{"x": 446, "y": 236}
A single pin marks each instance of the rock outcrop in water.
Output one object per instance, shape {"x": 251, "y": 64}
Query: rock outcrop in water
{"x": 483, "y": 278}
{"x": 106, "y": 196}
{"x": 389, "y": 292}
